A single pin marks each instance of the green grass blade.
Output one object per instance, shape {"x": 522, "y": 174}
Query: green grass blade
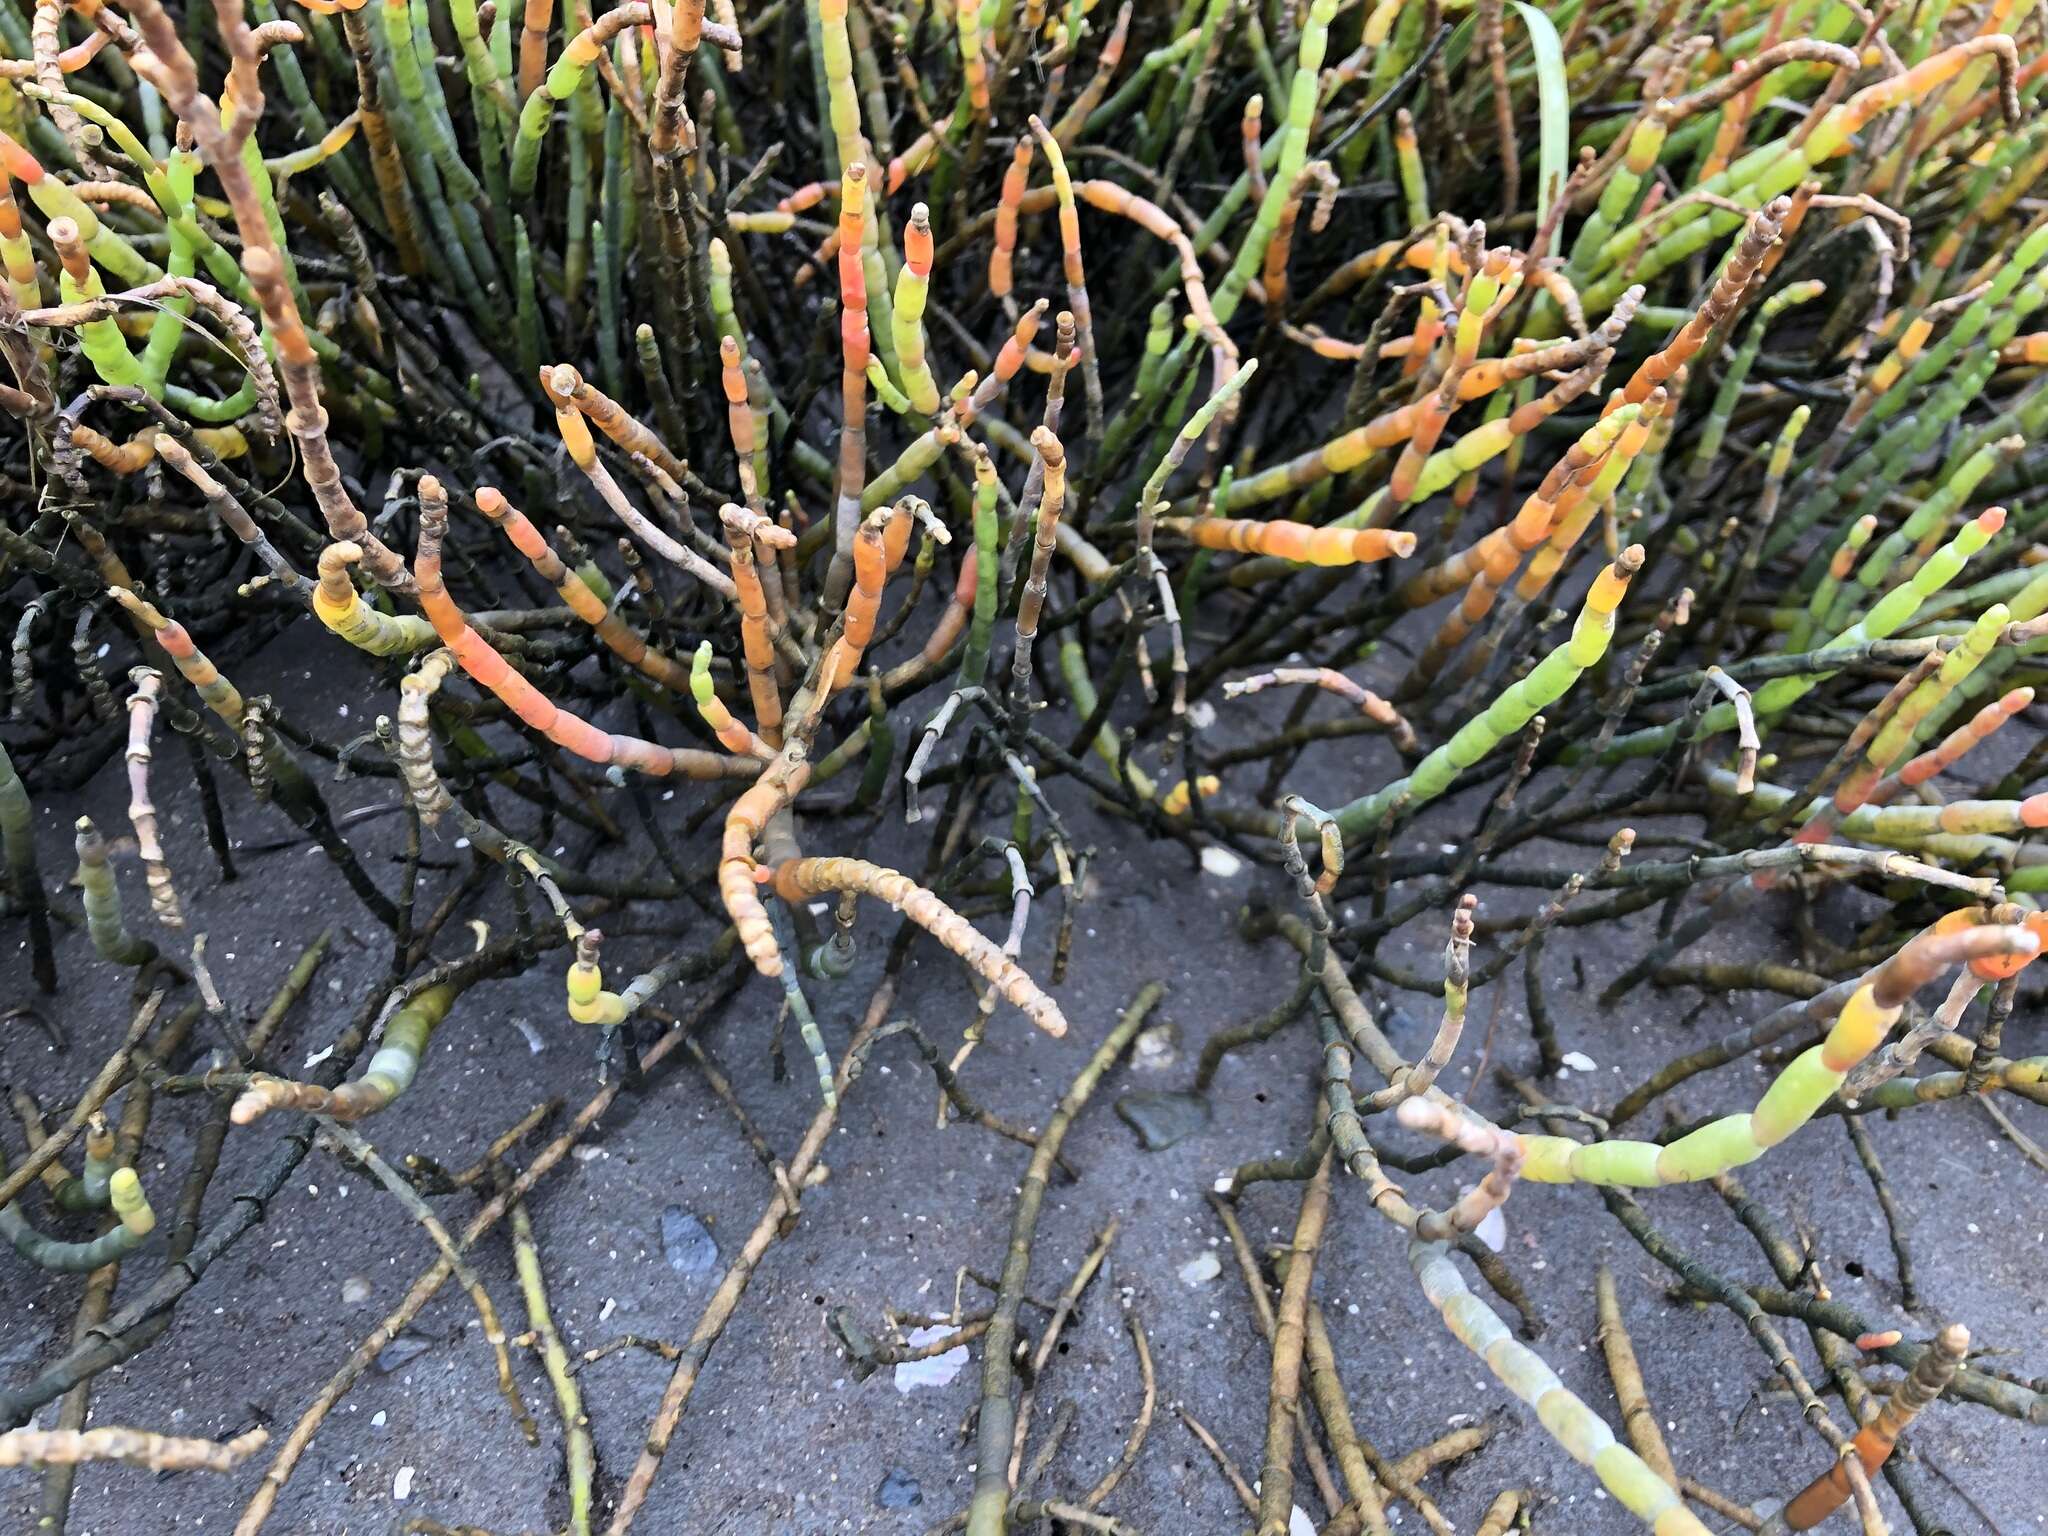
{"x": 1554, "y": 110}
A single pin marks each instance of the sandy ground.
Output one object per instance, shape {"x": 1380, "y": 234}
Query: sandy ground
{"x": 780, "y": 1436}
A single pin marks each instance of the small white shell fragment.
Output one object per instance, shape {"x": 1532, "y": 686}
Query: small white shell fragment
{"x": 935, "y": 1372}
{"x": 1201, "y": 1269}
{"x": 1579, "y": 1061}
{"x": 401, "y": 1485}
{"x": 1298, "y": 1522}
{"x": 1221, "y": 862}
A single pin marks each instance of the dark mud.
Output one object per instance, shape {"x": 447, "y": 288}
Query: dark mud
{"x": 780, "y": 1436}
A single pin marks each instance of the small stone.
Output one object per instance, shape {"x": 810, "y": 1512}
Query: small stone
{"x": 935, "y": 1372}
{"x": 686, "y": 1242}
{"x": 401, "y": 1485}
{"x": 355, "y": 1290}
{"x": 1162, "y": 1119}
{"x": 899, "y": 1490}
{"x": 1579, "y": 1061}
{"x": 377, "y": 1419}
{"x": 1221, "y": 862}
{"x": 1201, "y": 1269}
{"x": 402, "y": 1351}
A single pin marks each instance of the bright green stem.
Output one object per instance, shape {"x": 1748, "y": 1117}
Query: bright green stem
{"x": 1708, "y": 451}
{"x": 1813, "y": 617}
{"x": 1891, "y": 614}
{"x": 2030, "y": 602}
{"x": 1881, "y": 466}
{"x": 1898, "y": 734}
{"x": 724, "y": 314}
{"x": 1516, "y": 706}
{"x": 101, "y": 340}
{"x": 429, "y": 116}
{"x": 1926, "y": 520}
{"x": 1169, "y": 107}
{"x": 921, "y": 454}
{"x": 987, "y": 545}
{"x": 1618, "y": 197}
{"x": 1996, "y": 300}
{"x": 397, "y": 1061}
{"x": 1793, "y": 1098}
{"x": 1120, "y": 104}
{"x": 1158, "y": 337}
{"x": 229, "y": 408}
{"x": 488, "y": 85}
{"x": 906, "y": 322}
{"x": 168, "y": 328}
{"x": 1294, "y": 135}
{"x": 55, "y": 200}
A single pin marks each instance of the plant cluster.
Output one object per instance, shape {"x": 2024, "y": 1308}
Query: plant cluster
{"x": 1628, "y": 415}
